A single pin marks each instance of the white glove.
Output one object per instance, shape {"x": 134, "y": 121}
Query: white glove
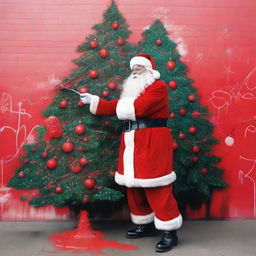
{"x": 86, "y": 98}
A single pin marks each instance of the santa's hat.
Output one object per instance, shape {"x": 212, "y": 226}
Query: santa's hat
{"x": 146, "y": 61}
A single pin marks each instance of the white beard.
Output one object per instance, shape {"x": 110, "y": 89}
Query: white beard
{"x": 135, "y": 85}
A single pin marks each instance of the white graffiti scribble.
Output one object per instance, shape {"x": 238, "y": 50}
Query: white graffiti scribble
{"x": 251, "y": 176}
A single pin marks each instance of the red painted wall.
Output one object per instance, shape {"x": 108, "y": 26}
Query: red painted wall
{"x": 216, "y": 38}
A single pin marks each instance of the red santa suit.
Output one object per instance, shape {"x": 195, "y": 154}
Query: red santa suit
{"x": 145, "y": 156}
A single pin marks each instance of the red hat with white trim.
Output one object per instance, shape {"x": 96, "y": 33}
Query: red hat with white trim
{"x": 146, "y": 61}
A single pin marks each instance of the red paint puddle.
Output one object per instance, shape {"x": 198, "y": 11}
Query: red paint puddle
{"x": 84, "y": 239}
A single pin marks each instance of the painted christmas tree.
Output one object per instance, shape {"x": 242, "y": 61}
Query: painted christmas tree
{"x": 195, "y": 165}
{"x": 73, "y": 161}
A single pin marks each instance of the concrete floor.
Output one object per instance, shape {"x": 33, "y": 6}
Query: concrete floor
{"x": 197, "y": 238}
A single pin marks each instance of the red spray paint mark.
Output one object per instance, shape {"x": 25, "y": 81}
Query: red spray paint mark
{"x": 84, "y": 239}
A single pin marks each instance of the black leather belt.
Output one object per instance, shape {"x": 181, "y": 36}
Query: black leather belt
{"x": 144, "y": 123}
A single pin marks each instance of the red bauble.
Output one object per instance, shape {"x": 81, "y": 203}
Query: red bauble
{"x": 175, "y": 145}
{"x": 76, "y": 169}
{"x": 159, "y": 42}
{"x": 94, "y": 44}
{"x": 44, "y": 154}
{"x": 80, "y": 103}
{"x": 195, "y": 158}
{"x": 85, "y": 199}
{"x": 26, "y": 160}
{"x": 85, "y": 139}
{"x": 172, "y": 115}
{"x": 182, "y": 111}
{"x": 112, "y": 85}
{"x": 115, "y": 25}
{"x": 58, "y": 189}
{"x": 173, "y": 84}
{"x": 204, "y": 170}
{"x": 80, "y": 129}
{"x": 182, "y": 135}
{"x": 83, "y": 161}
{"x": 63, "y": 104}
{"x": 50, "y": 184}
{"x": 89, "y": 183}
{"x": 84, "y": 90}
{"x": 93, "y": 73}
{"x": 21, "y": 174}
{"x": 171, "y": 64}
{"x": 53, "y": 127}
{"x": 192, "y": 130}
{"x": 103, "y": 53}
{"x": 195, "y": 114}
{"x": 68, "y": 147}
{"x": 120, "y": 41}
{"x": 105, "y": 94}
{"x": 191, "y": 98}
{"x": 52, "y": 163}
{"x": 196, "y": 149}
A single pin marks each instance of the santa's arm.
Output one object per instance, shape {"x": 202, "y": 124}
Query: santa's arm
{"x": 102, "y": 107}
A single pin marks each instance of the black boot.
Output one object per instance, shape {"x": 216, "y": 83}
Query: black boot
{"x": 168, "y": 241}
{"x": 142, "y": 231}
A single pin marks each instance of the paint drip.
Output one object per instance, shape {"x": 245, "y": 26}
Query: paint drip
{"x": 85, "y": 239}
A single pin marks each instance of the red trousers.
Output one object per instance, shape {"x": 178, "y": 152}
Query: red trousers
{"x": 154, "y": 204}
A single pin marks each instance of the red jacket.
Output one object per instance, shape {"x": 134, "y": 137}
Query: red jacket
{"x": 146, "y": 155}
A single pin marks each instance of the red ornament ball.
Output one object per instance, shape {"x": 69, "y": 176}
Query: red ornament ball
{"x": 196, "y": 149}
{"x": 172, "y": 115}
{"x": 182, "y": 135}
{"x": 21, "y": 174}
{"x": 76, "y": 169}
{"x": 171, "y": 64}
{"x": 192, "y": 130}
{"x": 93, "y": 73}
{"x": 85, "y": 139}
{"x": 173, "y": 84}
{"x": 103, "y": 53}
{"x": 83, "y": 161}
{"x": 58, "y": 189}
{"x": 80, "y": 129}
{"x": 80, "y": 103}
{"x": 44, "y": 154}
{"x": 89, "y": 183}
{"x": 191, "y": 98}
{"x": 68, "y": 147}
{"x": 84, "y": 90}
{"x": 115, "y": 25}
{"x": 105, "y": 94}
{"x": 112, "y": 85}
{"x": 52, "y": 163}
{"x": 159, "y": 42}
{"x": 182, "y": 111}
{"x": 85, "y": 199}
{"x": 120, "y": 41}
{"x": 63, "y": 104}
{"x": 175, "y": 145}
{"x": 204, "y": 170}
{"x": 195, "y": 114}
{"x": 94, "y": 44}
{"x": 195, "y": 158}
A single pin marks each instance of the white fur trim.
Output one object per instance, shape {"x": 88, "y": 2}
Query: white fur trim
{"x": 94, "y": 104}
{"x": 142, "y": 219}
{"x": 142, "y": 61}
{"x": 128, "y": 157}
{"x": 168, "y": 225}
{"x": 144, "y": 183}
{"x": 125, "y": 109}
{"x": 156, "y": 74}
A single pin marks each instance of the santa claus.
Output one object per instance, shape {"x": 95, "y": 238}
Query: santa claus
{"x": 146, "y": 153}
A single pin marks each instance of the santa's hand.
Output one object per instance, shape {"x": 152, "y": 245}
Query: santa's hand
{"x": 86, "y": 98}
